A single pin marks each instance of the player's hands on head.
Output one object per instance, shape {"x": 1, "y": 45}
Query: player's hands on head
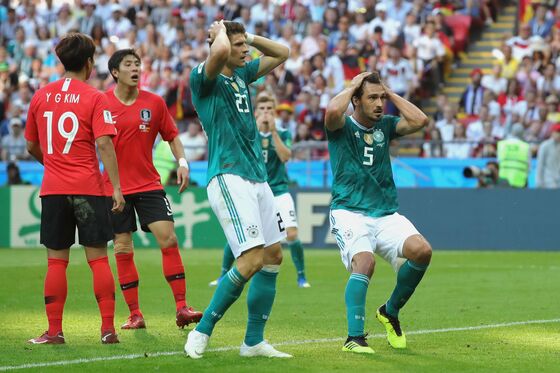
{"x": 183, "y": 177}
{"x": 215, "y": 28}
{"x": 357, "y": 80}
{"x": 118, "y": 201}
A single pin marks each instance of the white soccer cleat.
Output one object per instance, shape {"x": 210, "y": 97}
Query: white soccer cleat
{"x": 196, "y": 344}
{"x": 262, "y": 349}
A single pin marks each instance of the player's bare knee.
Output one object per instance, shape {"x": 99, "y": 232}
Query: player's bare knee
{"x": 419, "y": 249}
{"x": 123, "y": 244}
{"x": 363, "y": 263}
{"x": 250, "y": 262}
{"x": 169, "y": 241}
{"x": 273, "y": 254}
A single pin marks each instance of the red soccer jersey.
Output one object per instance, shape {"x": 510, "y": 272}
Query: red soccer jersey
{"x": 137, "y": 128}
{"x": 65, "y": 118}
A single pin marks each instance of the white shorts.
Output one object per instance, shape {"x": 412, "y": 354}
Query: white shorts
{"x": 356, "y": 233}
{"x": 285, "y": 204}
{"x": 247, "y": 212}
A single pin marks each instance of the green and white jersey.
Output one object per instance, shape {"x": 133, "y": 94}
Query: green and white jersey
{"x": 226, "y": 113}
{"x": 361, "y": 167}
{"x": 275, "y": 168}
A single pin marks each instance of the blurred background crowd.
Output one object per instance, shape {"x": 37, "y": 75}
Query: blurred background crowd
{"x": 414, "y": 44}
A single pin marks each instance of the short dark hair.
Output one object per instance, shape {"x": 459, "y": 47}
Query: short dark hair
{"x": 372, "y": 78}
{"x": 233, "y": 28}
{"x": 117, "y": 57}
{"x": 74, "y": 50}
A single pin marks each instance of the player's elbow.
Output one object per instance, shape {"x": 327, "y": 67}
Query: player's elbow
{"x": 220, "y": 53}
{"x": 104, "y": 143}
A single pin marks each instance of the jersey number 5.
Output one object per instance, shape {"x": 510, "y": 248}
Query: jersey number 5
{"x": 241, "y": 102}
{"x": 69, "y": 136}
{"x": 368, "y": 155}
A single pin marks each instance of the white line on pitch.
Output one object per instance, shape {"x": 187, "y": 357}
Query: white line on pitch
{"x": 287, "y": 343}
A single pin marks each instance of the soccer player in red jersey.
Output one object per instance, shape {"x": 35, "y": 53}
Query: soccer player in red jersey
{"x": 66, "y": 119}
{"x": 139, "y": 116}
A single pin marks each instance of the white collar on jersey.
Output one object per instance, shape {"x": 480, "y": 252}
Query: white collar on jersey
{"x": 265, "y": 134}
{"x": 360, "y": 126}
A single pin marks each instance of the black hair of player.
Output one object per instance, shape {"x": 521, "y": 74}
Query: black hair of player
{"x": 74, "y": 50}
{"x": 116, "y": 59}
{"x": 372, "y": 78}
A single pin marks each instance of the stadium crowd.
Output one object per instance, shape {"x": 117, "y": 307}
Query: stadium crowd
{"x": 412, "y": 43}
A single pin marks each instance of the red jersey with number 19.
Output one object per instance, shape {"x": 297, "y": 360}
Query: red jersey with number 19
{"x": 65, "y": 118}
{"x": 138, "y": 125}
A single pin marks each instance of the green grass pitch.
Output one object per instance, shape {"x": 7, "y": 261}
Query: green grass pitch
{"x": 456, "y": 321}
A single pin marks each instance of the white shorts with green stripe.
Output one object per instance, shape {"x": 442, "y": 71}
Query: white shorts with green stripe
{"x": 247, "y": 212}
{"x": 385, "y": 236}
{"x": 285, "y": 204}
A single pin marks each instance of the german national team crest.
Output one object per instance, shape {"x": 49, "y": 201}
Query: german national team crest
{"x": 368, "y": 138}
{"x": 265, "y": 143}
{"x": 240, "y": 82}
{"x": 234, "y": 85}
{"x": 378, "y": 136}
{"x": 252, "y": 231}
{"x": 145, "y": 115}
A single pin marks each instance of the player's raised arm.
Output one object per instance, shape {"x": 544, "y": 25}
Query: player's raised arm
{"x": 274, "y": 53}
{"x": 183, "y": 173}
{"x": 219, "y": 50}
{"x": 334, "y": 117}
{"x": 412, "y": 118}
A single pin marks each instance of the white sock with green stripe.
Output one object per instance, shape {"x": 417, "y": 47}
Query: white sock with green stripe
{"x": 227, "y": 292}
{"x": 355, "y": 298}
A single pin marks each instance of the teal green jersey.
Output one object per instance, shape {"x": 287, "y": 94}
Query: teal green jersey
{"x": 361, "y": 167}
{"x": 275, "y": 168}
{"x": 226, "y": 113}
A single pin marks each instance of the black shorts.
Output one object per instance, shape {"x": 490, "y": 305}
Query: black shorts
{"x": 61, "y": 214}
{"x": 150, "y": 206}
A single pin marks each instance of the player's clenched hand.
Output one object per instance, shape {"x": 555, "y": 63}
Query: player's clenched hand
{"x": 118, "y": 201}
{"x": 183, "y": 177}
{"x": 271, "y": 123}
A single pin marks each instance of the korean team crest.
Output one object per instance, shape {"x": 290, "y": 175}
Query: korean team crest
{"x": 378, "y": 136}
{"x": 145, "y": 115}
{"x": 368, "y": 138}
{"x": 265, "y": 142}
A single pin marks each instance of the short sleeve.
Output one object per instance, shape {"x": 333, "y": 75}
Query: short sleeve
{"x": 199, "y": 82}
{"x": 31, "y": 133}
{"x": 102, "y": 120}
{"x": 167, "y": 129}
{"x": 250, "y": 70}
{"x": 391, "y": 122}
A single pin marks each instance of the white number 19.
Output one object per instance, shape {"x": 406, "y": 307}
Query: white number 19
{"x": 69, "y": 136}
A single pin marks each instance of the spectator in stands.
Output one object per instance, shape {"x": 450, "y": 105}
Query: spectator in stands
{"x": 460, "y": 147}
{"x": 314, "y": 118}
{"x": 433, "y": 148}
{"x": 13, "y": 144}
{"x": 302, "y": 135}
{"x": 8, "y": 28}
{"x": 89, "y": 19}
{"x": 360, "y": 28}
{"x": 398, "y": 74}
{"x": 548, "y": 83}
{"x": 14, "y": 176}
{"x": 508, "y": 63}
{"x": 64, "y": 23}
{"x": 390, "y": 27}
{"x": 475, "y": 130}
{"x": 194, "y": 142}
{"x": 398, "y": 10}
{"x": 285, "y": 118}
{"x": 118, "y": 25}
{"x": 541, "y": 25}
{"x": 310, "y": 44}
{"x": 446, "y": 126}
{"x": 103, "y": 9}
{"x": 527, "y": 109}
{"x": 471, "y": 99}
{"x": 31, "y": 21}
{"x": 494, "y": 82}
{"x": 431, "y": 51}
{"x": 548, "y": 161}
{"x": 522, "y": 44}
{"x": 487, "y": 144}
{"x": 343, "y": 31}
{"x": 411, "y": 31}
